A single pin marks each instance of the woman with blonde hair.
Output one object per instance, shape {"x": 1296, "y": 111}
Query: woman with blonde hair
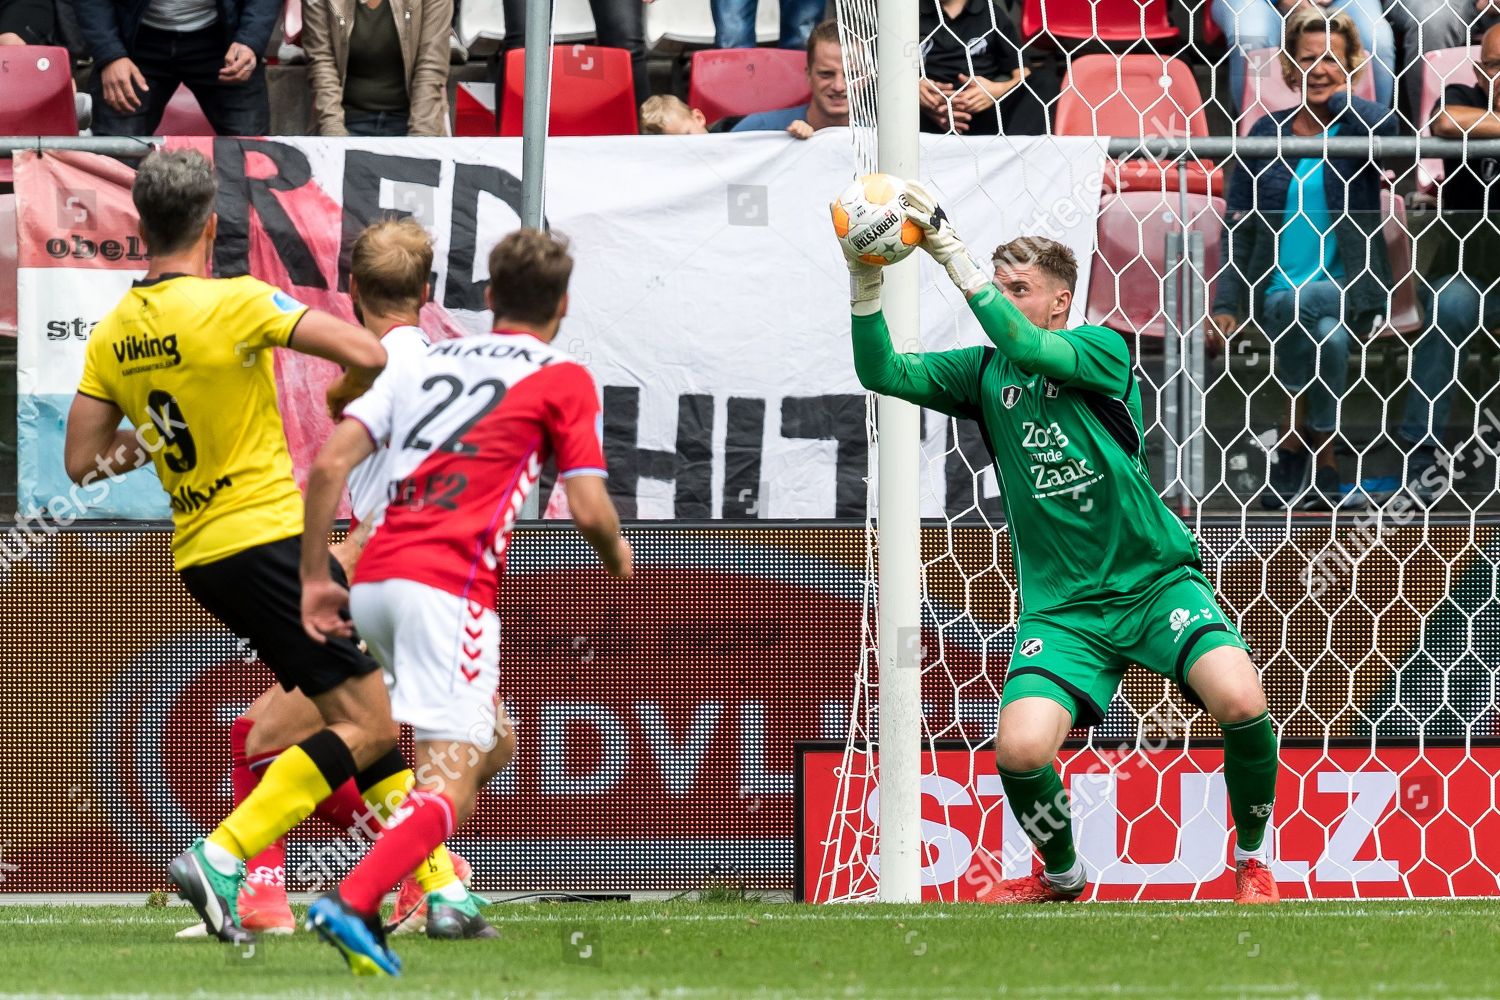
{"x": 1306, "y": 260}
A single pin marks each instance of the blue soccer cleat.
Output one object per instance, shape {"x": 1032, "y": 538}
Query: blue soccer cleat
{"x": 347, "y": 931}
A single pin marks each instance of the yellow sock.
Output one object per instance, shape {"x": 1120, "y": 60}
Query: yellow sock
{"x": 436, "y": 872}
{"x": 287, "y": 794}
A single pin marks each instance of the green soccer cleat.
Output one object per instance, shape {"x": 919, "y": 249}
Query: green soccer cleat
{"x": 456, "y": 921}
{"x": 214, "y": 895}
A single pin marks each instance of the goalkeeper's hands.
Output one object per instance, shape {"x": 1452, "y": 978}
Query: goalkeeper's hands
{"x": 864, "y": 284}
{"x": 941, "y": 241}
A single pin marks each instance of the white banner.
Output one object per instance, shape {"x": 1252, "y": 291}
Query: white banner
{"x": 709, "y": 297}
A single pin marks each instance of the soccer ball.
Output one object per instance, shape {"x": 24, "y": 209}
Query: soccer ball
{"x": 870, "y": 219}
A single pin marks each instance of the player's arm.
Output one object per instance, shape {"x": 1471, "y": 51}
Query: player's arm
{"x": 323, "y": 600}
{"x": 597, "y": 521}
{"x": 1041, "y": 352}
{"x": 356, "y": 349}
{"x": 947, "y": 381}
{"x": 94, "y": 444}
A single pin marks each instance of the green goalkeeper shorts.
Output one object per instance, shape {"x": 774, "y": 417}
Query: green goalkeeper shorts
{"x": 1077, "y": 655}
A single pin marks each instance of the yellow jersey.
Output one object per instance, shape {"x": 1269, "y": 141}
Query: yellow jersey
{"x": 190, "y": 359}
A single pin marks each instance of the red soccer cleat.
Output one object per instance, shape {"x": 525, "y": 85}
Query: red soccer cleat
{"x": 410, "y": 913}
{"x": 1034, "y": 888}
{"x": 264, "y": 909}
{"x": 1254, "y": 883}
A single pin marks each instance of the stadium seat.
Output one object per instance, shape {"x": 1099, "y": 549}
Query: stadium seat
{"x": 1126, "y": 280}
{"x": 592, "y": 92}
{"x": 689, "y": 23}
{"x": 38, "y": 91}
{"x": 479, "y": 19}
{"x": 1097, "y": 20}
{"x": 1266, "y": 90}
{"x": 183, "y": 116}
{"x": 728, "y": 82}
{"x": 38, "y": 95}
{"x": 474, "y": 109}
{"x": 1406, "y": 315}
{"x": 1440, "y": 68}
{"x": 291, "y": 22}
{"x": 1212, "y": 33}
{"x": 1137, "y": 95}
{"x": 8, "y": 263}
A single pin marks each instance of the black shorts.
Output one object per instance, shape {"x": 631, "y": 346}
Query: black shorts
{"x": 258, "y": 594}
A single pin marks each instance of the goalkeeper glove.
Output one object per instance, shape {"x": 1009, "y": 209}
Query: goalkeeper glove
{"x": 864, "y": 284}
{"x": 941, "y": 241}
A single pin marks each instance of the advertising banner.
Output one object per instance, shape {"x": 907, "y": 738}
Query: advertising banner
{"x": 709, "y": 297}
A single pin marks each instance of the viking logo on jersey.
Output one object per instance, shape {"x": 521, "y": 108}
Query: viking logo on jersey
{"x": 1030, "y": 647}
{"x": 147, "y": 349}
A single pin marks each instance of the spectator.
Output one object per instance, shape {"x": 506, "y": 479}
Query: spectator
{"x": 378, "y": 68}
{"x": 143, "y": 49}
{"x": 1257, "y": 24}
{"x": 1429, "y": 25}
{"x": 830, "y": 94}
{"x": 1460, "y": 303}
{"x": 973, "y": 81}
{"x": 1306, "y": 259}
{"x": 668, "y": 115}
{"x": 734, "y": 22}
{"x": 27, "y": 22}
{"x": 618, "y": 24}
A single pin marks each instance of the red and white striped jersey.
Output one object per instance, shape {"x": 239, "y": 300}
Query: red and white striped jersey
{"x": 468, "y": 429}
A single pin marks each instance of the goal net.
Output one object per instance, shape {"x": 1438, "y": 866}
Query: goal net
{"x": 1372, "y": 623}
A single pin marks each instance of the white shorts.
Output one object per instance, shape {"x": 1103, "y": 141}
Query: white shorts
{"x": 441, "y": 656}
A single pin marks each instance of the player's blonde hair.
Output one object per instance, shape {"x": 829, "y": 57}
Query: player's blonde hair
{"x": 529, "y": 272}
{"x": 1316, "y": 21}
{"x": 658, "y": 111}
{"x": 391, "y": 265}
{"x": 1048, "y": 256}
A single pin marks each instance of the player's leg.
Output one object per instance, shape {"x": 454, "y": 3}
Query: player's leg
{"x": 1229, "y": 686}
{"x": 1059, "y": 677}
{"x": 256, "y": 593}
{"x": 1179, "y": 630}
{"x": 1032, "y": 730}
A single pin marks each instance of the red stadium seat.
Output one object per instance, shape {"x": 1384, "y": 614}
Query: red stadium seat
{"x": 291, "y": 22}
{"x": 1212, "y": 33}
{"x": 38, "y": 95}
{"x": 1101, "y": 20}
{"x": 1137, "y": 95}
{"x": 592, "y": 92}
{"x": 1266, "y": 89}
{"x": 1406, "y": 315}
{"x": 726, "y": 82}
{"x": 1440, "y": 68}
{"x": 1126, "y": 280}
{"x": 474, "y": 109}
{"x": 38, "y": 91}
{"x": 8, "y": 255}
{"x": 183, "y": 116}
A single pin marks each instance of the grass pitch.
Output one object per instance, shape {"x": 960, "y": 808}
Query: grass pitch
{"x": 681, "y": 950}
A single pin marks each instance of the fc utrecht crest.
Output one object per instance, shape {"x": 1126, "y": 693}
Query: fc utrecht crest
{"x": 1009, "y": 395}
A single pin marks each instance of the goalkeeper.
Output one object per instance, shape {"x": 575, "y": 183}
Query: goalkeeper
{"x": 1108, "y": 575}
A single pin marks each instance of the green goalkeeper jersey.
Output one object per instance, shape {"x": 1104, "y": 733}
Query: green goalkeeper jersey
{"x": 1060, "y": 411}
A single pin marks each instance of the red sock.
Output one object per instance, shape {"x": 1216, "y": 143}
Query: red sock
{"x": 268, "y": 868}
{"x": 398, "y": 851}
{"x": 344, "y": 809}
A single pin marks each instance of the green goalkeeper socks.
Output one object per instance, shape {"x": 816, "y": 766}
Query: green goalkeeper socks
{"x": 1250, "y": 773}
{"x": 1041, "y": 804}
